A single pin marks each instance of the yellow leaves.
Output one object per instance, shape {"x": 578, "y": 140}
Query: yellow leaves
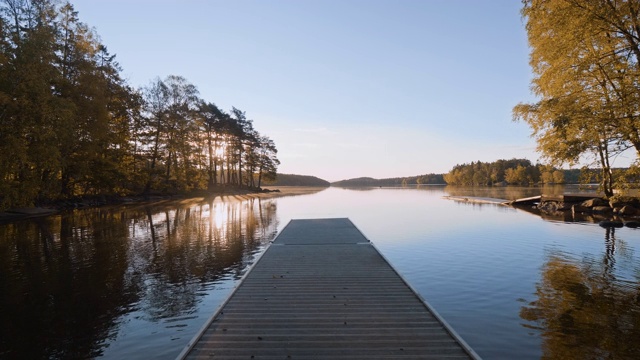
{"x": 585, "y": 59}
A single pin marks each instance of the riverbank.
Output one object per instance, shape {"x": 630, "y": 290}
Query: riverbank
{"x": 56, "y": 207}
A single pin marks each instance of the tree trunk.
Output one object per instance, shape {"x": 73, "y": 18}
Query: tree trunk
{"x": 168, "y": 173}
{"x": 606, "y": 171}
{"x": 154, "y": 157}
{"x": 240, "y": 166}
{"x": 211, "y": 155}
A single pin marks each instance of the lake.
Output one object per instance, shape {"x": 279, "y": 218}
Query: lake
{"x": 138, "y": 281}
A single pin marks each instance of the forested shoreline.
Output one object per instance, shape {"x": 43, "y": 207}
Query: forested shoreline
{"x": 501, "y": 172}
{"x": 427, "y": 179}
{"x": 297, "y": 180}
{"x": 513, "y": 172}
{"x": 71, "y": 125}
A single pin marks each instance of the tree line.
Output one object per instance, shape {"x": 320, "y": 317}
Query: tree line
{"x": 427, "y": 179}
{"x": 585, "y": 58}
{"x": 513, "y": 172}
{"x": 297, "y": 180}
{"x": 70, "y": 125}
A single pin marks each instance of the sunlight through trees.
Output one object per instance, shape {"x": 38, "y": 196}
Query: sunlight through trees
{"x": 72, "y": 126}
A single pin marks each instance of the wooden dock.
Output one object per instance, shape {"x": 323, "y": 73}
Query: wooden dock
{"x": 323, "y": 291}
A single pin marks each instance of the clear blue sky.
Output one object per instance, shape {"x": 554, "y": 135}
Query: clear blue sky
{"x": 346, "y": 88}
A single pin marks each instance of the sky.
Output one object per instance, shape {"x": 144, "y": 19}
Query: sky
{"x": 345, "y": 88}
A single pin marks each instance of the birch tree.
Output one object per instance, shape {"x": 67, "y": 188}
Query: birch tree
{"x": 585, "y": 59}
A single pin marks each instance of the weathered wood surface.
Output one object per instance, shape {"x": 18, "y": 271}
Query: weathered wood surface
{"x": 526, "y": 201}
{"x": 323, "y": 291}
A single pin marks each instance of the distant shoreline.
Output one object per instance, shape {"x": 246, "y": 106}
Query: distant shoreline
{"x": 56, "y": 207}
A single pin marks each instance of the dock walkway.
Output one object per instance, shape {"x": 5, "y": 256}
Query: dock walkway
{"x": 323, "y": 291}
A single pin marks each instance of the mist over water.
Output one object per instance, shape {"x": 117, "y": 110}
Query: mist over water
{"x": 139, "y": 281}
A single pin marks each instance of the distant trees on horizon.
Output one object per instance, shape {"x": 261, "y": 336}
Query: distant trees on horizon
{"x": 513, "y": 172}
{"x": 297, "y": 180}
{"x": 497, "y": 173}
{"x": 70, "y": 125}
{"x": 427, "y": 179}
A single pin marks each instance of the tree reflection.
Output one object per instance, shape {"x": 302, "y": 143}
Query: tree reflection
{"x": 504, "y": 192}
{"x": 194, "y": 246}
{"x": 62, "y": 286}
{"x": 588, "y": 308}
{"x": 66, "y": 281}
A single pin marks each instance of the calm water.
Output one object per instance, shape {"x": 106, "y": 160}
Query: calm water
{"x": 139, "y": 281}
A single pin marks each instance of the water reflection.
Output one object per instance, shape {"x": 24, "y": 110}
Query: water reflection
{"x": 67, "y": 281}
{"x": 498, "y": 192}
{"x": 520, "y": 192}
{"x": 138, "y": 281}
{"x": 565, "y": 216}
{"x": 516, "y": 192}
{"x": 588, "y": 308}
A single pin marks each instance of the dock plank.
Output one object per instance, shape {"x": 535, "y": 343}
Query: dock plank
{"x": 323, "y": 291}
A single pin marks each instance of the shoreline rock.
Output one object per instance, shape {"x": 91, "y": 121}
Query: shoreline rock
{"x": 594, "y": 210}
{"x": 615, "y": 212}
